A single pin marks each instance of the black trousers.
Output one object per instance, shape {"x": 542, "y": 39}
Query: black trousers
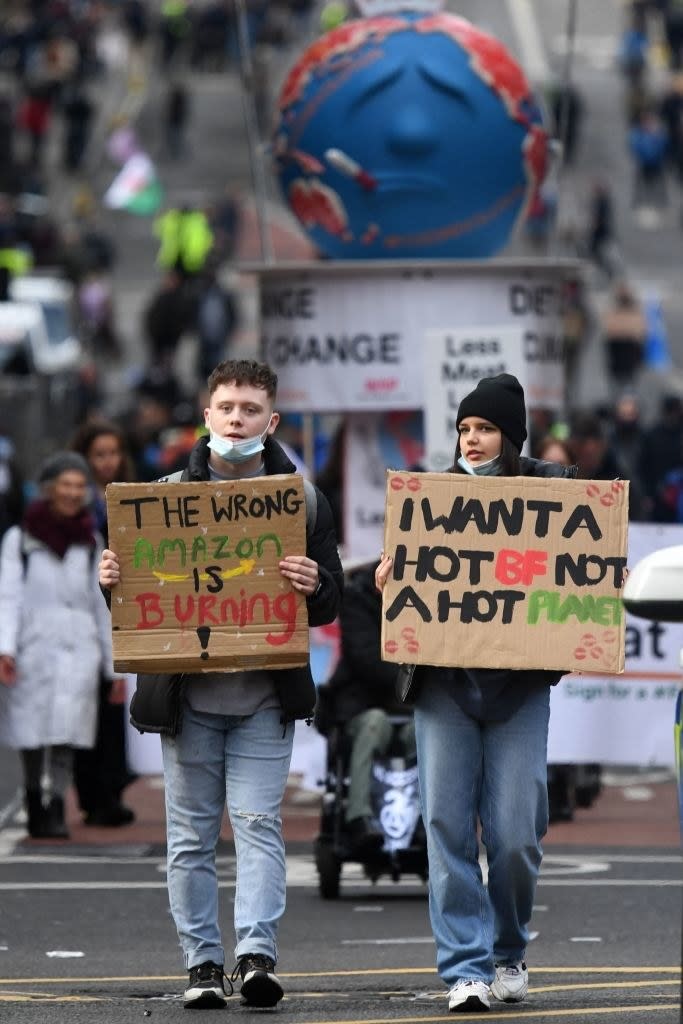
{"x": 101, "y": 774}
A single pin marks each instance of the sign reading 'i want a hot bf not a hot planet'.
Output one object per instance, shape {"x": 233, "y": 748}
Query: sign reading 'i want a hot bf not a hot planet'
{"x": 514, "y": 572}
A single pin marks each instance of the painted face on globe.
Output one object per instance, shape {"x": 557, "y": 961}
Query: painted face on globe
{"x": 405, "y": 136}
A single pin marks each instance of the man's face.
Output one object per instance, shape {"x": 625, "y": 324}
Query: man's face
{"x": 240, "y": 411}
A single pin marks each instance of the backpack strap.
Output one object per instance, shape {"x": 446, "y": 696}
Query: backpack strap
{"x": 26, "y": 546}
{"x": 311, "y": 496}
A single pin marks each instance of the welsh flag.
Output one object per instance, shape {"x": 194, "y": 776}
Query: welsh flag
{"x": 136, "y": 188}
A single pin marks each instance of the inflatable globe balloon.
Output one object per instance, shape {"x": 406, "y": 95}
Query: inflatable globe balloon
{"x": 408, "y": 135}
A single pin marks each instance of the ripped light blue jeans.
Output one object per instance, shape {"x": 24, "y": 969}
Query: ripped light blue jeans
{"x": 243, "y": 761}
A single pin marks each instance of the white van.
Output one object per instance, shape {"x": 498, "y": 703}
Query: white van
{"x": 38, "y": 383}
{"x": 54, "y": 296}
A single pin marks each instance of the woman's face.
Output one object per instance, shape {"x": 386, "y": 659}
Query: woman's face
{"x": 555, "y": 452}
{"x": 104, "y": 457}
{"x": 68, "y": 493}
{"x": 480, "y": 440}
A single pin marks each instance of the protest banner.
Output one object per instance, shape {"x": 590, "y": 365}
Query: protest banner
{"x": 454, "y": 362}
{"x": 373, "y": 441}
{"x": 350, "y": 336}
{"x": 200, "y": 586}
{"x": 630, "y": 720}
{"x": 531, "y": 566}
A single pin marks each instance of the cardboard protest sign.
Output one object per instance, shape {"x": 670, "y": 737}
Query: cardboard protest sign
{"x": 505, "y": 572}
{"x": 200, "y": 585}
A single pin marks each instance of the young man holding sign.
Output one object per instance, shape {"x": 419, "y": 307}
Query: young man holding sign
{"x": 482, "y": 756}
{"x": 228, "y": 736}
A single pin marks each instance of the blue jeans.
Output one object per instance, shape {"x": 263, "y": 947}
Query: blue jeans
{"x": 246, "y": 759}
{"x": 494, "y": 772}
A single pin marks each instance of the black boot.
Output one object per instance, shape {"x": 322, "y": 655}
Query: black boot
{"x": 56, "y": 825}
{"x": 37, "y": 814}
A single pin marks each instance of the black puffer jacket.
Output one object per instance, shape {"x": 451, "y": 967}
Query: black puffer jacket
{"x": 409, "y": 676}
{"x": 157, "y": 703}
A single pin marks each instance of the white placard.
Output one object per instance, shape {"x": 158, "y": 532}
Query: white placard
{"x": 454, "y": 362}
{"x": 374, "y": 441}
{"x": 626, "y": 719}
{"x": 346, "y": 337}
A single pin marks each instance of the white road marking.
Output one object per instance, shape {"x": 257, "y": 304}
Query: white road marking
{"x": 638, "y": 793}
{"x": 420, "y": 940}
{"x": 585, "y": 938}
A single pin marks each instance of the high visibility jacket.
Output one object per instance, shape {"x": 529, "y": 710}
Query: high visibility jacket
{"x": 186, "y": 239}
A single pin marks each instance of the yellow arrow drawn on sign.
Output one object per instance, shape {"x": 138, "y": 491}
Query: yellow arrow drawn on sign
{"x": 243, "y": 569}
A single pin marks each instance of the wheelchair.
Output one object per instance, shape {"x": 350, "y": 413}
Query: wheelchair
{"x": 396, "y": 812}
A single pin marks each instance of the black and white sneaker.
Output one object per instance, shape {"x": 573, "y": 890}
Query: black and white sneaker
{"x": 260, "y": 985}
{"x": 206, "y": 990}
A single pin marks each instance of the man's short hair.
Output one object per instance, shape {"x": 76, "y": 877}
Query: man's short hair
{"x": 244, "y": 372}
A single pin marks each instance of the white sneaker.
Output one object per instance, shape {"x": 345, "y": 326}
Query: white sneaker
{"x": 469, "y": 995}
{"x": 511, "y": 982}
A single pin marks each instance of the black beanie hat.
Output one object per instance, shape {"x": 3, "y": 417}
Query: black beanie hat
{"x": 501, "y": 401}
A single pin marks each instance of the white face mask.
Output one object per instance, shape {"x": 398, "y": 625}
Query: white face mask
{"x": 238, "y": 451}
{"x": 490, "y": 468}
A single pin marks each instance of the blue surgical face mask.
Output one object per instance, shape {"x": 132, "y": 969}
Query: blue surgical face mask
{"x": 238, "y": 451}
{"x": 490, "y": 468}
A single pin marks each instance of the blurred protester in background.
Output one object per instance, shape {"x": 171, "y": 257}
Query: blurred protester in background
{"x": 78, "y": 112}
{"x": 361, "y": 699}
{"x": 624, "y": 330}
{"x": 627, "y": 438}
{"x": 55, "y": 638}
{"x": 664, "y": 447}
{"x": 649, "y": 146}
{"x": 166, "y": 318}
{"x": 330, "y": 479}
{"x": 176, "y": 118}
{"x": 601, "y": 242}
{"x": 11, "y": 487}
{"x": 673, "y": 30}
{"x": 217, "y": 320}
{"x": 101, "y": 773}
{"x": 596, "y": 459}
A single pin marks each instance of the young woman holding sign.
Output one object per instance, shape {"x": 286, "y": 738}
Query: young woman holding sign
{"x": 482, "y": 747}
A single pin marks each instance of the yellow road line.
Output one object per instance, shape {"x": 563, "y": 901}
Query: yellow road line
{"x": 367, "y": 972}
{"x": 41, "y": 997}
{"x": 519, "y": 1015}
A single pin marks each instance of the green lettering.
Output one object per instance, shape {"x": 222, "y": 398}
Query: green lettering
{"x": 199, "y": 548}
{"x": 170, "y": 545}
{"x": 143, "y": 552}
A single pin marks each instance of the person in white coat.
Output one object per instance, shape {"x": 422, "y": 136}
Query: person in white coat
{"x": 55, "y": 637}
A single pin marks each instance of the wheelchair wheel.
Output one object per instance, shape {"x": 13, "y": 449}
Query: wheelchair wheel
{"x": 329, "y": 870}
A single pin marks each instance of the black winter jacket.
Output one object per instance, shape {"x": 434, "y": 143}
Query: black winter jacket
{"x": 361, "y": 679}
{"x": 409, "y": 676}
{"x": 158, "y": 699}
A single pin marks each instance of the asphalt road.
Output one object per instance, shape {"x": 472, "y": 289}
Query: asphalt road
{"x": 85, "y": 926}
{"x": 92, "y": 937}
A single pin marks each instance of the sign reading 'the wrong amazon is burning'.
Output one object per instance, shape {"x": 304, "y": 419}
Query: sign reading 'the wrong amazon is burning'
{"x": 200, "y": 585}
{"x": 515, "y": 572}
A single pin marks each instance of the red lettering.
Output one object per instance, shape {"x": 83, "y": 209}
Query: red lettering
{"x": 520, "y": 567}
{"x": 284, "y": 609}
{"x": 151, "y": 614}
{"x": 206, "y": 603}
{"x": 382, "y": 384}
{"x": 183, "y": 615}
